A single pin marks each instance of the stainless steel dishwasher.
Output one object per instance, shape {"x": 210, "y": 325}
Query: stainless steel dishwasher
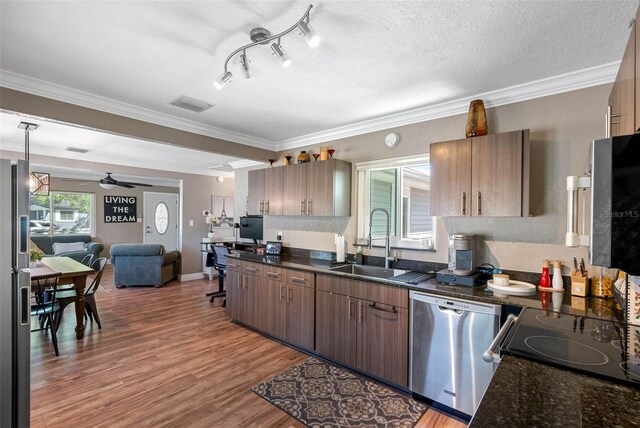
{"x": 448, "y": 338}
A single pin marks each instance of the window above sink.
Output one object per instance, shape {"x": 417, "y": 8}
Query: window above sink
{"x": 401, "y": 186}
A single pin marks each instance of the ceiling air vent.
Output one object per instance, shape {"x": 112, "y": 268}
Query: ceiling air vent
{"x": 76, "y": 150}
{"x": 191, "y": 104}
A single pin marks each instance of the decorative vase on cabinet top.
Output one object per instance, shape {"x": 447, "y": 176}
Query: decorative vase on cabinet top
{"x": 303, "y": 157}
{"x": 476, "y": 119}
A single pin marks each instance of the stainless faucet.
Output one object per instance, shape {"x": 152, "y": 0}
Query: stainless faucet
{"x": 387, "y": 239}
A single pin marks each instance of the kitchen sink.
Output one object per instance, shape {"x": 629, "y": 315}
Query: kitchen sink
{"x": 369, "y": 271}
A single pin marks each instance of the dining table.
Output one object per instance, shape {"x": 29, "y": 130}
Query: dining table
{"x": 71, "y": 272}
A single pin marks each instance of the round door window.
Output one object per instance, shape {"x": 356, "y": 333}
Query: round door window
{"x": 161, "y": 218}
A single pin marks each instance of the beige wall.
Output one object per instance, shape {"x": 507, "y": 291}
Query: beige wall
{"x": 195, "y": 196}
{"x": 112, "y": 233}
{"x": 562, "y": 127}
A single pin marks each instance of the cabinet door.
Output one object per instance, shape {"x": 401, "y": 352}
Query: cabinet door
{"x": 249, "y": 307}
{"x": 497, "y": 175}
{"x": 450, "y": 178}
{"x": 272, "y": 307}
{"x": 294, "y": 199}
{"x": 623, "y": 97}
{"x": 383, "y": 341}
{"x": 336, "y": 327}
{"x": 300, "y": 311}
{"x": 315, "y": 188}
{"x": 273, "y": 190}
{"x": 232, "y": 285}
{"x": 255, "y": 194}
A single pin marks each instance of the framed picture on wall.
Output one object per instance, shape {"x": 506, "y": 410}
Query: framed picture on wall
{"x": 222, "y": 207}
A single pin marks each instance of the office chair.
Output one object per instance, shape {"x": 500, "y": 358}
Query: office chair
{"x": 217, "y": 258}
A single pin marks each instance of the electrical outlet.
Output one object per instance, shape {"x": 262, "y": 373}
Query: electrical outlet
{"x": 192, "y": 223}
{"x": 279, "y": 237}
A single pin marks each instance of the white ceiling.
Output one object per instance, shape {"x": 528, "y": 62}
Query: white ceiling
{"x": 53, "y": 139}
{"x": 376, "y": 59}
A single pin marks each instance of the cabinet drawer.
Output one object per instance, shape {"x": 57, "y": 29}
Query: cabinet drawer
{"x": 249, "y": 268}
{"x": 334, "y": 284}
{"x": 233, "y": 265}
{"x": 392, "y": 296}
{"x": 275, "y": 273}
{"x": 299, "y": 277}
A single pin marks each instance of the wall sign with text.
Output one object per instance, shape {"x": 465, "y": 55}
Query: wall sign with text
{"x": 120, "y": 209}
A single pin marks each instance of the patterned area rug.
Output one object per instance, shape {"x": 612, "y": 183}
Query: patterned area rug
{"x": 321, "y": 395}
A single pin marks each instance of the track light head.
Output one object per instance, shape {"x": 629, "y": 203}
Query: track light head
{"x": 281, "y": 55}
{"x": 244, "y": 63}
{"x": 310, "y": 36}
{"x": 223, "y": 80}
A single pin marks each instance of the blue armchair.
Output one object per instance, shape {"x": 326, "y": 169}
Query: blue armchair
{"x": 143, "y": 264}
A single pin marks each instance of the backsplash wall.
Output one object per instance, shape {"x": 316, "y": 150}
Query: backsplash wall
{"x": 562, "y": 128}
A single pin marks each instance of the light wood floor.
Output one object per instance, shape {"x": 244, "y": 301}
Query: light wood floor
{"x": 163, "y": 358}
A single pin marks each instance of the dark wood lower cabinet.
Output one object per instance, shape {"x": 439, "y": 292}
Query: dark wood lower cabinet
{"x": 336, "y": 327}
{"x": 272, "y": 307}
{"x": 383, "y": 332}
{"x": 233, "y": 290}
{"x": 300, "y": 315}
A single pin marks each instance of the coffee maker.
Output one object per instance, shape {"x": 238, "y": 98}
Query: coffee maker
{"x": 461, "y": 269}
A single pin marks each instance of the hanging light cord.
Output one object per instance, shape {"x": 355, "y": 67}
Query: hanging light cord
{"x": 268, "y": 39}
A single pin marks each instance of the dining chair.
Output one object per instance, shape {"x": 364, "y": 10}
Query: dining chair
{"x": 86, "y": 260}
{"x": 67, "y": 297}
{"x": 46, "y": 306}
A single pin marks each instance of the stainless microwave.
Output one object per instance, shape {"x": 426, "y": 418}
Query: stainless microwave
{"x": 615, "y": 203}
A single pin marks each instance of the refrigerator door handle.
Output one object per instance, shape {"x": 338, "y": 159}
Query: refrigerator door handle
{"x": 23, "y": 245}
{"x": 24, "y": 287}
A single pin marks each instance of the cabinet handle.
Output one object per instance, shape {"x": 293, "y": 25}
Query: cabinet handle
{"x": 251, "y": 269}
{"x": 393, "y": 309}
{"x": 261, "y": 207}
{"x": 231, "y": 265}
{"x": 616, "y": 115}
{"x": 241, "y": 282}
{"x": 290, "y": 294}
{"x": 302, "y": 203}
{"x": 360, "y": 317}
{"x": 297, "y": 280}
{"x": 273, "y": 275}
{"x": 479, "y": 203}
{"x": 348, "y": 308}
{"x": 463, "y": 200}
{"x": 309, "y": 206}
{"x": 266, "y": 208}
{"x": 281, "y": 292}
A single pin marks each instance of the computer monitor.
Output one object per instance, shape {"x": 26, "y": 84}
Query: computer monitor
{"x": 251, "y": 228}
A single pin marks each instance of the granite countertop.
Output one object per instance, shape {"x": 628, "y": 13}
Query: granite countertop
{"x": 529, "y": 394}
{"x": 581, "y": 306}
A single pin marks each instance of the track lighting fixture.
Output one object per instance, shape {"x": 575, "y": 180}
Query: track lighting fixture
{"x": 261, "y": 36}
{"x": 281, "y": 55}
{"x": 244, "y": 62}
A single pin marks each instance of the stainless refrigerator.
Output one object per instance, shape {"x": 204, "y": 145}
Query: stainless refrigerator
{"x": 15, "y": 294}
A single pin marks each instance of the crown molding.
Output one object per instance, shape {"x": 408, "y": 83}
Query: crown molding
{"x": 567, "y": 82}
{"x": 45, "y": 89}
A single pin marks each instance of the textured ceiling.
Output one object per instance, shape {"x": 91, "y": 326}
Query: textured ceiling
{"x": 376, "y": 57}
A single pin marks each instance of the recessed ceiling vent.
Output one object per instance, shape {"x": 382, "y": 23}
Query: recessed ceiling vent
{"x": 76, "y": 150}
{"x": 191, "y": 104}
{"x": 221, "y": 167}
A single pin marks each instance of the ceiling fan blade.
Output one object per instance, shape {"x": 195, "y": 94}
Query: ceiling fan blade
{"x": 134, "y": 184}
{"x": 123, "y": 184}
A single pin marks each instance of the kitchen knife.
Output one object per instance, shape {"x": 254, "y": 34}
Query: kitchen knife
{"x": 575, "y": 264}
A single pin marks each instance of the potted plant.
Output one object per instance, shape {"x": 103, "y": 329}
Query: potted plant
{"x": 34, "y": 257}
{"x": 212, "y": 221}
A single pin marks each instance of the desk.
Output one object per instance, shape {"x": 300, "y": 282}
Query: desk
{"x": 71, "y": 272}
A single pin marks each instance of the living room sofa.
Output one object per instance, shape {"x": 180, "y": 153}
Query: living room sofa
{"x": 46, "y": 244}
{"x": 143, "y": 264}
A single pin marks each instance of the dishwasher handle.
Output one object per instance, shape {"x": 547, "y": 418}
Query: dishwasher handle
{"x": 491, "y": 355}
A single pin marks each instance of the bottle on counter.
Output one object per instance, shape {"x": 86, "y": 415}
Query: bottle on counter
{"x": 359, "y": 256}
{"x": 545, "y": 279}
{"x": 557, "y": 282}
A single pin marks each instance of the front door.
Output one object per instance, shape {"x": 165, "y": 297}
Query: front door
{"x": 161, "y": 219}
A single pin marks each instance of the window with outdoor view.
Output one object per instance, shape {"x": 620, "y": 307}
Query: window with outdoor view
{"x": 62, "y": 213}
{"x": 401, "y": 187}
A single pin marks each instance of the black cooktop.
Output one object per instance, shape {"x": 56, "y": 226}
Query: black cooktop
{"x": 602, "y": 348}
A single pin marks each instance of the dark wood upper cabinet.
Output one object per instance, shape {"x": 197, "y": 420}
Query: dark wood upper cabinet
{"x": 481, "y": 176}
{"x": 309, "y": 189}
{"x": 255, "y": 192}
{"x": 450, "y": 178}
{"x": 623, "y": 94}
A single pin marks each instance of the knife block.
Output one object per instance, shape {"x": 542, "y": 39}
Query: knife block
{"x": 579, "y": 283}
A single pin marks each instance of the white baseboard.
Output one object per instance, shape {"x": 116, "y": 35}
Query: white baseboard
{"x": 190, "y": 276}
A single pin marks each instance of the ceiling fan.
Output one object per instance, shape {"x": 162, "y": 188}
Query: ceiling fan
{"x": 109, "y": 183}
